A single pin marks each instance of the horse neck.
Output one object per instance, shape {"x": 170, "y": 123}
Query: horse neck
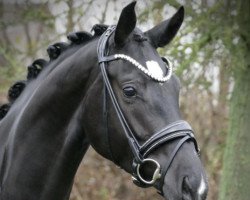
{"x": 46, "y": 141}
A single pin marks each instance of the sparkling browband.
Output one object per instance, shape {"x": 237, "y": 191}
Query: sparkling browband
{"x": 145, "y": 70}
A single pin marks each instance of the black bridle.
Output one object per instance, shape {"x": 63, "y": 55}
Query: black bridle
{"x": 178, "y": 130}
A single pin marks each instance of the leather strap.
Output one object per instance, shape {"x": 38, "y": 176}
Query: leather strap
{"x": 134, "y": 145}
{"x": 107, "y": 59}
{"x": 178, "y": 130}
{"x": 173, "y": 131}
{"x": 169, "y": 162}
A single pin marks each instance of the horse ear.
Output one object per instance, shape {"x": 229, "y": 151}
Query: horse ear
{"x": 164, "y": 32}
{"x": 126, "y": 24}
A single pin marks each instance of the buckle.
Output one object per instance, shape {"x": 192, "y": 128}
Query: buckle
{"x": 156, "y": 175}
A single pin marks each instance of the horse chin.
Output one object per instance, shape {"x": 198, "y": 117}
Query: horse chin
{"x": 170, "y": 194}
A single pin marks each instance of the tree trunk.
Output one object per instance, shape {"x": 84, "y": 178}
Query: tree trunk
{"x": 235, "y": 183}
{"x": 70, "y": 15}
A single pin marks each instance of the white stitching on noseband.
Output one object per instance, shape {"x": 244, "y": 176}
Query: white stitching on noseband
{"x": 146, "y": 71}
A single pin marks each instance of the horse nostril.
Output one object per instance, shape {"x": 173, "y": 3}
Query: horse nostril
{"x": 186, "y": 189}
{"x": 192, "y": 190}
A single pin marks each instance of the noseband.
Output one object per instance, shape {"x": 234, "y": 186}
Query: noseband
{"x": 177, "y": 130}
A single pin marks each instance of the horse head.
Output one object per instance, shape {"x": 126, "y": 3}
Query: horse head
{"x": 110, "y": 90}
{"x": 137, "y": 122}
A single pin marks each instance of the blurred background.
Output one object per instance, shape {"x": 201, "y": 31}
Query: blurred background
{"x": 210, "y": 54}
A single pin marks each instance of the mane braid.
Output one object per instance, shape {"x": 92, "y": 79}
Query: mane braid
{"x": 4, "y": 109}
{"x": 54, "y": 51}
{"x": 35, "y": 68}
{"x": 99, "y": 29}
{"x": 15, "y": 90}
{"x": 79, "y": 37}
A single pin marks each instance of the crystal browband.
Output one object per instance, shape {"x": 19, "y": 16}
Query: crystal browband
{"x": 145, "y": 70}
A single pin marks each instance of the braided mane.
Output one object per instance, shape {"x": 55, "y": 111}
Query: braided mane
{"x": 54, "y": 51}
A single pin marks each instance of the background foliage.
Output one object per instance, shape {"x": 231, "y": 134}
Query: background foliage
{"x": 207, "y": 52}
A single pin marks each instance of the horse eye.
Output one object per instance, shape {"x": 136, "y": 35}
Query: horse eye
{"x": 129, "y": 91}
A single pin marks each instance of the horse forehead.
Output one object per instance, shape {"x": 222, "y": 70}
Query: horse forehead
{"x": 154, "y": 68}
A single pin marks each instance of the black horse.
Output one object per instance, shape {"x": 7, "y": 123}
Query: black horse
{"x": 110, "y": 90}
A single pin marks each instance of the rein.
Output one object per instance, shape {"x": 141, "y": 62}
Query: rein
{"x": 177, "y": 130}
